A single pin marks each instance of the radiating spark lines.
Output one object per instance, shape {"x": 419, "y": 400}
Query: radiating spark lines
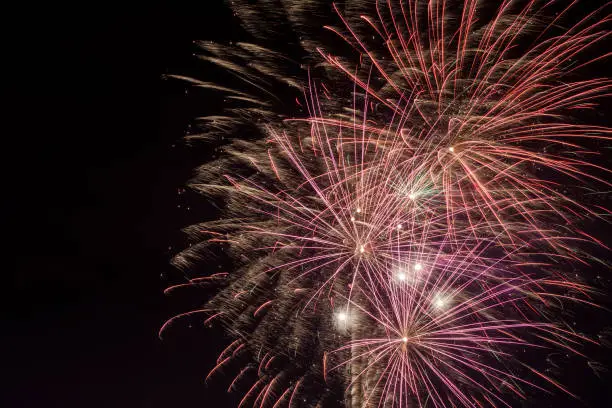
{"x": 413, "y": 229}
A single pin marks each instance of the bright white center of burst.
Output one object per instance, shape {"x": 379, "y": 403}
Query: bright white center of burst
{"x": 358, "y": 210}
{"x": 418, "y": 267}
{"x": 342, "y": 317}
{"x": 440, "y": 302}
{"x": 451, "y": 149}
{"x": 399, "y": 226}
{"x": 361, "y": 249}
{"x": 412, "y": 196}
{"x": 352, "y": 218}
{"x": 401, "y": 276}
{"x": 405, "y": 339}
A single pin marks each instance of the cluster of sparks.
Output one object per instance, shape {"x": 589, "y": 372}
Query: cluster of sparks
{"x": 416, "y": 231}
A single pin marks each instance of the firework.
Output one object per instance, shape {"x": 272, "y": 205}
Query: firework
{"x": 401, "y": 239}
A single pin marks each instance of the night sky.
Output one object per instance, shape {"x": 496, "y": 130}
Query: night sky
{"x": 92, "y": 165}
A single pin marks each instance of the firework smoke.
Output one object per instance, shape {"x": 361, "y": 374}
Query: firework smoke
{"x": 406, "y": 234}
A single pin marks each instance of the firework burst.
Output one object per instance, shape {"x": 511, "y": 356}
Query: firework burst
{"x": 403, "y": 237}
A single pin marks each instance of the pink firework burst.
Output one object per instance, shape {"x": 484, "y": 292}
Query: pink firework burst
{"x": 409, "y": 233}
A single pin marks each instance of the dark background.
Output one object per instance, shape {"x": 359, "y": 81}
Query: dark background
{"x": 92, "y": 163}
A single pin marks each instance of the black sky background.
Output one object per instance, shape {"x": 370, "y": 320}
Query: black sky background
{"x": 89, "y": 207}
{"x": 92, "y": 161}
